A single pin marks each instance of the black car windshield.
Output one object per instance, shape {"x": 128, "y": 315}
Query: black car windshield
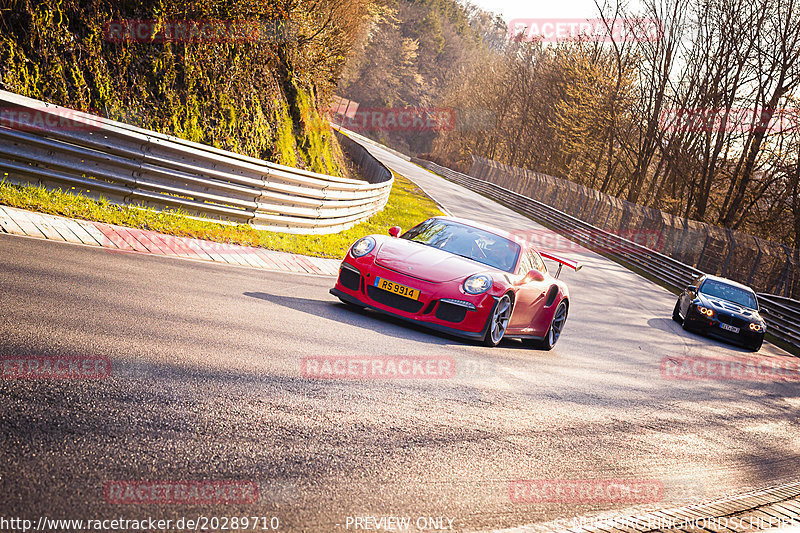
{"x": 731, "y": 293}
{"x": 476, "y": 244}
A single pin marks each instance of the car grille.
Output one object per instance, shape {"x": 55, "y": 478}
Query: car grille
{"x": 394, "y": 300}
{"x": 349, "y": 279}
{"x": 733, "y": 320}
{"x": 729, "y": 335}
{"x": 451, "y": 313}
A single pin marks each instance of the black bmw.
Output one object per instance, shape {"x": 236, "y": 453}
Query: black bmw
{"x": 721, "y": 308}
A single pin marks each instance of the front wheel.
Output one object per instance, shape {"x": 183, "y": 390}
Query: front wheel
{"x": 676, "y": 313}
{"x": 555, "y": 329}
{"x": 756, "y": 346}
{"x": 498, "y": 322}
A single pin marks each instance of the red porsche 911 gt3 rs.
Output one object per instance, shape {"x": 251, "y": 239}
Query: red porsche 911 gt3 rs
{"x": 455, "y": 276}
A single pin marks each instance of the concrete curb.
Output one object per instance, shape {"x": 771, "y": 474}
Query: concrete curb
{"x": 121, "y": 239}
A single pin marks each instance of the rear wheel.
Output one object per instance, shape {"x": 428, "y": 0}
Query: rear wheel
{"x": 498, "y": 322}
{"x": 555, "y": 329}
{"x": 676, "y": 313}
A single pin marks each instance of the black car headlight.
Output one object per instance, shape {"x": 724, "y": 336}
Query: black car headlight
{"x": 705, "y": 311}
{"x": 477, "y": 283}
{"x": 758, "y": 328}
{"x": 362, "y": 247}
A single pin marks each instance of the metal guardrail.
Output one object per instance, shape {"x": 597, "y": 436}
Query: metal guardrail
{"x": 365, "y": 139}
{"x": 783, "y": 314}
{"x": 55, "y": 146}
{"x": 766, "y": 266}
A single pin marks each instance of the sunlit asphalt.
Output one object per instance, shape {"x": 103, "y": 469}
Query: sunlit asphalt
{"x": 207, "y": 384}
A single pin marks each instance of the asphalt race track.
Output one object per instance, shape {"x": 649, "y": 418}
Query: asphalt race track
{"x": 206, "y": 384}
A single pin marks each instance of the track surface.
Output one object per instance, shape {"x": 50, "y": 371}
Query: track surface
{"x": 206, "y": 385}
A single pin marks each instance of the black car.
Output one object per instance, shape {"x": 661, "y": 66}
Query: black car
{"x": 721, "y": 308}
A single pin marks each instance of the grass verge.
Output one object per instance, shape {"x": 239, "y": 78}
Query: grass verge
{"x": 407, "y": 206}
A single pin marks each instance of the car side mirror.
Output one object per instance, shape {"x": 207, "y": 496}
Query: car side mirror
{"x": 692, "y": 289}
{"x": 763, "y": 311}
{"x": 394, "y": 231}
{"x": 534, "y": 275}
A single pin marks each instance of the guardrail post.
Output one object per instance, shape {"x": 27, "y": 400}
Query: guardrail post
{"x": 755, "y": 263}
{"x": 679, "y": 251}
{"x": 731, "y": 247}
{"x": 783, "y": 278}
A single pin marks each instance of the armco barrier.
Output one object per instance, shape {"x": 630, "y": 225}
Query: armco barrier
{"x": 58, "y": 147}
{"x": 783, "y": 314}
{"x": 766, "y": 266}
{"x": 363, "y": 138}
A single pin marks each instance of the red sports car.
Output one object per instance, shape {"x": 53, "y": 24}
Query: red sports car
{"x": 457, "y": 277}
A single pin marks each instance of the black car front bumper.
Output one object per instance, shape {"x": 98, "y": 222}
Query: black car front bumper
{"x": 712, "y": 327}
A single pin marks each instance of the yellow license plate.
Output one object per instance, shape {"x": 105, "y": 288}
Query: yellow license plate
{"x": 396, "y": 288}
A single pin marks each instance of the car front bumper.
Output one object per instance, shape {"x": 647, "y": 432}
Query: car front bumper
{"x": 712, "y": 327}
{"x": 464, "y": 315}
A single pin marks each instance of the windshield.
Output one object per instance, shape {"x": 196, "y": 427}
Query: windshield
{"x": 731, "y": 293}
{"x": 473, "y": 243}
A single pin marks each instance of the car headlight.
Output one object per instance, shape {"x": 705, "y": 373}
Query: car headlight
{"x": 705, "y": 311}
{"x": 756, "y": 327}
{"x": 477, "y": 283}
{"x": 362, "y": 247}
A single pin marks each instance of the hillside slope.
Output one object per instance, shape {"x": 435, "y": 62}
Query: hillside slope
{"x": 243, "y": 76}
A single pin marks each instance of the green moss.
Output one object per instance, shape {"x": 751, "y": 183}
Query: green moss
{"x": 253, "y": 98}
{"x": 316, "y": 141}
{"x": 285, "y": 146}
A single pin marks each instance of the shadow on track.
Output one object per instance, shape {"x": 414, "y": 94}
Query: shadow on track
{"x": 353, "y": 316}
{"x": 365, "y": 318}
{"x": 670, "y": 326}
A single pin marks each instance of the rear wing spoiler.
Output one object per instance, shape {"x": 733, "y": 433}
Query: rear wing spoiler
{"x": 574, "y": 265}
